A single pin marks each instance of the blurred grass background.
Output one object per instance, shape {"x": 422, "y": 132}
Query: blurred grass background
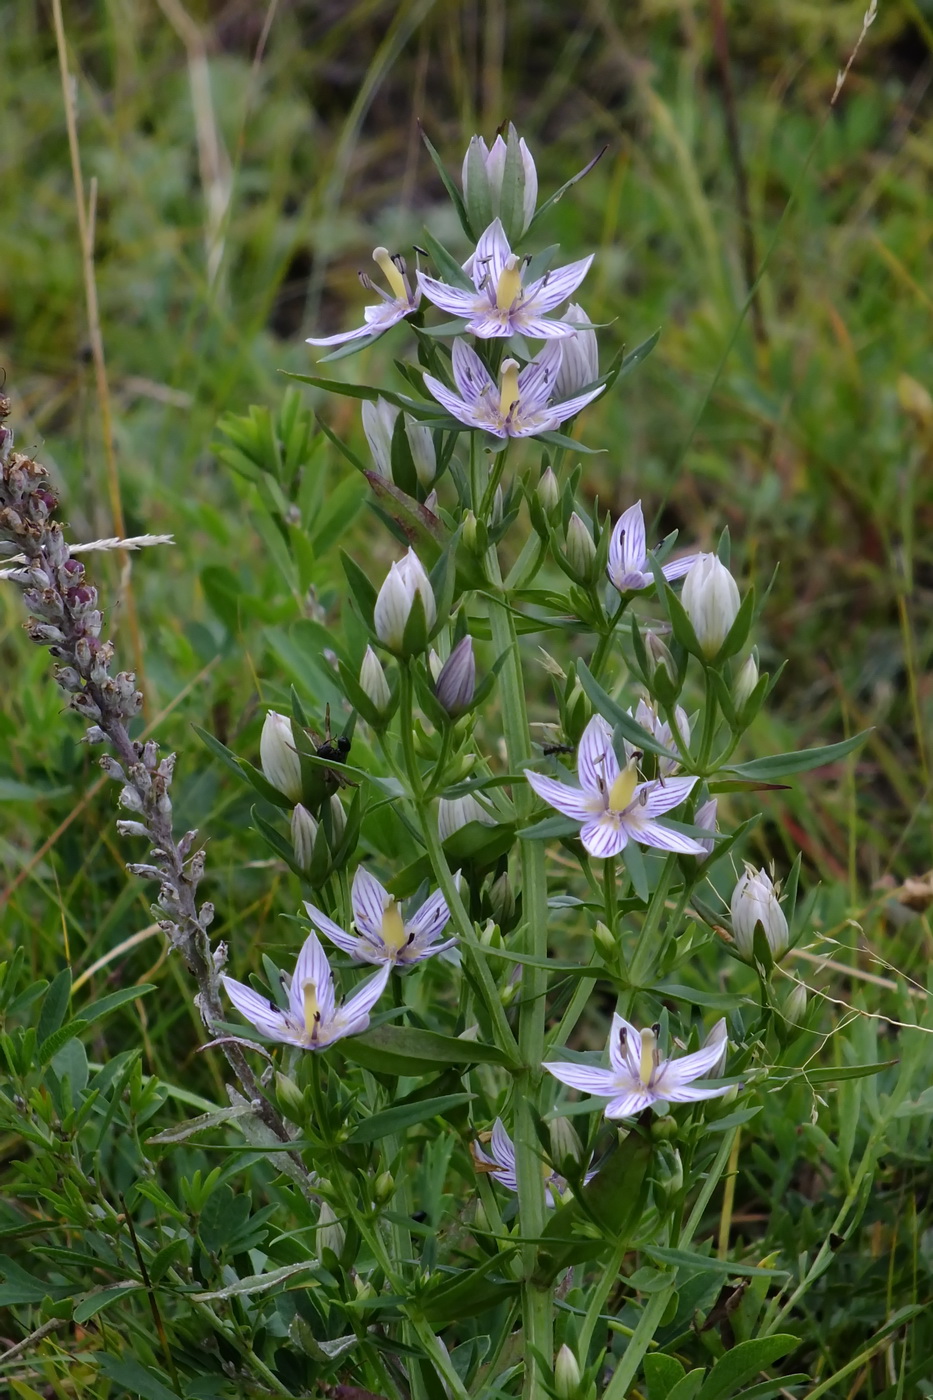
{"x": 248, "y": 159}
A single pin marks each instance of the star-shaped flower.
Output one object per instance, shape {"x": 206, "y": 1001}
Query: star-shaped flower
{"x": 639, "y": 1078}
{"x": 499, "y": 304}
{"x": 387, "y": 312}
{"x": 312, "y": 1020}
{"x": 628, "y": 567}
{"x": 382, "y": 935}
{"x": 521, "y": 406}
{"x": 501, "y": 1166}
{"x": 612, "y": 806}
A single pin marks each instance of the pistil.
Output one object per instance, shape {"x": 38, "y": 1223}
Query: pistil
{"x": 509, "y": 286}
{"x": 508, "y": 393}
{"x": 311, "y": 1009}
{"x": 393, "y": 927}
{"x": 623, "y": 789}
{"x": 391, "y": 273}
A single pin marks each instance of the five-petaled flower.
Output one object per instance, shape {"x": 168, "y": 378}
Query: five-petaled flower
{"x": 612, "y": 806}
{"x": 639, "y": 1078}
{"x": 387, "y": 312}
{"x": 628, "y": 567}
{"x": 382, "y": 935}
{"x": 312, "y": 1020}
{"x": 521, "y": 406}
{"x": 499, "y": 304}
{"x": 501, "y": 1166}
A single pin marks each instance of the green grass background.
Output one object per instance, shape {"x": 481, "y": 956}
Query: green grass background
{"x": 246, "y": 162}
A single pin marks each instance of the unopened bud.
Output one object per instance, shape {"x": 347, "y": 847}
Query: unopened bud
{"x": 706, "y": 818}
{"x": 373, "y": 682}
{"x": 406, "y": 581}
{"x": 711, "y": 601}
{"x": 795, "y": 1004}
{"x": 290, "y": 1097}
{"x": 330, "y": 1233}
{"x": 659, "y": 657}
{"x": 566, "y": 1147}
{"x": 502, "y": 900}
{"x": 567, "y": 1376}
{"x": 304, "y": 832}
{"x": 548, "y": 491}
{"x": 278, "y": 756}
{"x": 423, "y": 454}
{"x": 579, "y": 549}
{"x": 379, "y": 425}
{"x": 745, "y": 683}
{"x": 456, "y": 682}
{"x": 456, "y": 812}
{"x": 483, "y": 178}
{"x": 606, "y": 943}
{"x": 338, "y": 820}
{"x": 471, "y": 537}
{"x": 754, "y": 903}
{"x": 579, "y": 365}
{"x": 383, "y": 1188}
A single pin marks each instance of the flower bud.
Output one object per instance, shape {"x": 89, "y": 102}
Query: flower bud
{"x": 423, "y": 454}
{"x": 455, "y": 813}
{"x": 502, "y": 900}
{"x": 290, "y": 1097}
{"x": 711, "y": 601}
{"x": 745, "y": 683}
{"x": 338, "y": 820}
{"x": 706, "y": 818}
{"x": 566, "y": 1147}
{"x": 373, "y": 682}
{"x": 456, "y": 681}
{"x": 483, "y": 177}
{"x": 754, "y": 902}
{"x": 567, "y": 1376}
{"x": 383, "y": 1188}
{"x": 406, "y": 581}
{"x": 379, "y": 425}
{"x": 579, "y": 549}
{"x": 278, "y": 756}
{"x": 548, "y": 491}
{"x": 579, "y": 365}
{"x": 471, "y": 534}
{"x": 304, "y": 832}
{"x": 795, "y": 1004}
{"x": 659, "y": 658}
{"x": 606, "y": 943}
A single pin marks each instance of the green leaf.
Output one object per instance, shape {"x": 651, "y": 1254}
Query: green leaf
{"x": 407, "y": 1050}
{"x": 455, "y": 196}
{"x": 257, "y": 1283}
{"x": 661, "y": 1374}
{"x": 764, "y": 1390}
{"x": 782, "y": 764}
{"x": 100, "y": 1298}
{"x": 138, "y": 1380}
{"x": 568, "y": 184}
{"x": 471, "y": 1291}
{"x": 633, "y": 359}
{"x": 105, "y": 1005}
{"x": 54, "y": 1005}
{"x": 619, "y": 718}
{"x": 743, "y": 1362}
{"x": 634, "y": 863}
{"x": 393, "y": 1120}
{"x": 829, "y": 1074}
{"x": 446, "y": 263}
{"x": 50, "y": 1047}
{"x": 704, "y": 1264}
{"x": 688, "y": 1387}
{"x": 550, "y": 828}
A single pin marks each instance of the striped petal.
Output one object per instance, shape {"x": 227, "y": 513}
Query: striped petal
{"x": 343, "y": 940}
{"x": 630, "y": 1103}
{"x": 457, "y": 300}
{"x": 654, "y": 799}
{"x": 556, "y": 286}
{"x": 261, "y": 1013}
{"x": 492, "y": 250}
{"x": 429, "y": 921}
{"x": 312, "y": 966}
{"x": 662, "y": 838}
{"x": 676, "y": 568}
{"x": 622, "y": 1053}
{"x": 570, "y": 801}
{"x": 597, "y": 765}
{"x": 353, "y": 1016}
{"x": 369, "y": 900}
{"x": 588, "y": 1078}
{"x": 604, "y": 838}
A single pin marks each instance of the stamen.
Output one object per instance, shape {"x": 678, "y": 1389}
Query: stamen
{"x": 649, "y": 1056}
{"x": 393, "y": 931}
{"x": 391, "y": 273}
{"x": 622, "y": 790}
{"x": 509, "y": 286}
{"x": 508, "y": 393}
{"x": 311, "y": 1009}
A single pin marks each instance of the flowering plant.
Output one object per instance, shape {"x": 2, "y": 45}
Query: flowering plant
{"x": 542, "y": 900}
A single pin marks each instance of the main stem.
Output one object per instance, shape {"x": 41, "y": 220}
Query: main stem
{"x": 537, "y": 1302}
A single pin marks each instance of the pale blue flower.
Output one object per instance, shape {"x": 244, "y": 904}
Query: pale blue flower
{"x": 381, "y": 934}
{"x": 628, "y": 567}
{"x": 387, "y": 312}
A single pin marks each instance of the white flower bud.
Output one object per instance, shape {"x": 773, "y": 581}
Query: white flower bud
{"x": 659, "y": 656}
{"x": 338, "y": 818}
{"x": 579, "y": 547}
{"x": 754, "y": 902}
{"x": 745, "y": 683}
{"x": 483, "y": 173}
{"x": 795, "y": 1004}
{"x": 304, "y": 831}
{"x": 373, "y": 682}
{"x": 379, "y": 425}
{"x": 454, "y": 813}
{"x": 579, "y": 365}
{"x": 566, "y": 1374}
{"x": 456, "y": 682}
{"x": 278, "y": 756}
{"x": 706, "y": 818}
{"x": 421, "y": 443}
{"x": 396, "y": 597}
{"x": 711, "y": 601}
{"x": 548, "y": 491}
{"x": 330, "y": 1233}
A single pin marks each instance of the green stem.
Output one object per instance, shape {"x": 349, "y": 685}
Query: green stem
{"x": 527, "y": 564}
{"x": 604, "y": 644}
{"x": 609, "y": 893}
{"x": 536, "y": 1299}
{"x": 643, "y": 958}
{"x": 710, "y": 715}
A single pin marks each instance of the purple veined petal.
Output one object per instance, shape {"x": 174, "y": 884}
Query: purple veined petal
{"x": 690, "y": 1093}
{"x": 312, "y": 966}
{"x": 387, "y": 313}
{"x": 630, "y": 530}
{"x": 597, "y": 766}
{"x": 343, "y": 337}
{"x": 490, "y": 325}
{"x": 662, "y": 838}
{"x": 457, "y": 300}
{"x": 492, "y": 250}
{"x": 676, "y": 568}
{"x": 413, "y": 954}
{"x": 362, "y": 949}
{"x": 464, "y": 412}
{"x": 623, "y": 1057}
{"x": 539, "y": 328}
{"x": 364, "y": 999}
{"x": 630, "y": 1103}
{"x": 569, "y": 801}
{"x": 470, "y": 374}
{"x": 556, "y": 286}
{"x": 587, "y": 1078}
{"x": 261, "y": 1013}
{"x": 604, "y": 838}
{"x": 369, "y": 900}
{"x": 536, "y": 381}
{"x": 656, "y": 798}
{"x": 569, "y": 407}
{"x": 695, "y": 1066}
{"x": 503, "y": 1149}
{"x": 330, "y": 930}
{"x": 428, "y": 921}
